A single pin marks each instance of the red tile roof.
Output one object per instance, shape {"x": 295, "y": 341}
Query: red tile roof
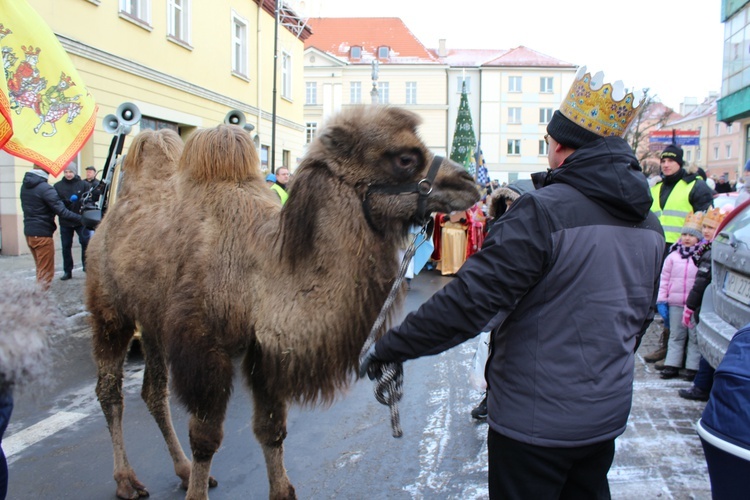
{"x": 468, "y": 57}
{"x": 336, "y": 35}
{"x": 524, "y": 56}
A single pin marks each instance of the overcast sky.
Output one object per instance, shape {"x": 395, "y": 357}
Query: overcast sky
{"x": 673, "y": 47}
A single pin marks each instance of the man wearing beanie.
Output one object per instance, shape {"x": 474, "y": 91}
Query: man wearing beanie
{"x": 566, "y": 281}
{"x": 40, "y": 203}
{"x": 678, "y": 194}
{"x": 71, "y": 189}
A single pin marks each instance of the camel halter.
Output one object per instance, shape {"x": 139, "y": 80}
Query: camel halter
{"x": 423, "y": 187}
{"x": 389, "y": 384}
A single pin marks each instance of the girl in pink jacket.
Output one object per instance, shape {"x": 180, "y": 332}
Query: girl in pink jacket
{"x": 677, "y": 278}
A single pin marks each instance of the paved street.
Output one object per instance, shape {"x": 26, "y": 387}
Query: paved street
{"x": 59, "y": 445}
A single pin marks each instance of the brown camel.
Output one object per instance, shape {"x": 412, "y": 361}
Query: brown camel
{"x": 210, "y": 266}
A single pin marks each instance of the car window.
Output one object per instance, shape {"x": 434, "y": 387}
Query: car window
{"x": 738, "y": 229}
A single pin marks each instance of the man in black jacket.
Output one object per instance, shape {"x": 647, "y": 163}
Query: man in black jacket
{"x": 40, "y": 203}
{"x": 566, "y": 280}
{"x": 71, "y": 189}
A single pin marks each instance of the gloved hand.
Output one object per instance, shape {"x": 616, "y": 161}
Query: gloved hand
{"x": 663, "y": 309}
{"x": 687, "y": 313}
{"x": 370, "y": 364}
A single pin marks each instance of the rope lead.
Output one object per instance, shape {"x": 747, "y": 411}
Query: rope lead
{"x": 389, "y": 379}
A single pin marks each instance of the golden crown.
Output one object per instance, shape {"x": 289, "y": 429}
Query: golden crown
{"x": 693, "y": 221}
{"x": 603, "y": 108}
{"x": 713, "y": 217}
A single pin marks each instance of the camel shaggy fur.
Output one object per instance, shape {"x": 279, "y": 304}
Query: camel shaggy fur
{"x": 210, "y": 266}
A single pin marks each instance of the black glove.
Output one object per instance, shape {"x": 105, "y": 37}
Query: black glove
{"x": 370, "y": 364}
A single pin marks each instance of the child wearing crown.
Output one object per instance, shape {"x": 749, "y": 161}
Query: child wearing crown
{"x": 703, "y": 380}
{"x": 677, "y": 279}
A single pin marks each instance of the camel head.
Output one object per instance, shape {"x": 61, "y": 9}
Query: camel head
{"x": 377, "y": 151}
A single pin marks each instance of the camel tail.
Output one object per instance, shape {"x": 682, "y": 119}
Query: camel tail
{"x": 222, "y": 153}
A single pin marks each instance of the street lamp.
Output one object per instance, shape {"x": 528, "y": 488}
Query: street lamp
{"x": 374, "y": 91}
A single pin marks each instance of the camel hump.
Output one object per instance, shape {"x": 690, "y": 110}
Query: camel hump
{"x": 222, "y": 153}
{"x": 153, "y": 154}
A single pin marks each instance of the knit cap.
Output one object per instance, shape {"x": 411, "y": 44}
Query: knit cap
{"x": 674, "y": 152}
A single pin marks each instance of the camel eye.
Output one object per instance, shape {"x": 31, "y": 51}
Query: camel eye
{"x": 407, "y": 161}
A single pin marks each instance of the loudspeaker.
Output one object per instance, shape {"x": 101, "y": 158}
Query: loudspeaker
{"x": 235, "y": 117}
{"x": 125, "y": 117}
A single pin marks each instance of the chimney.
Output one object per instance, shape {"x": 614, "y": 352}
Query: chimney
{"x": 441, "y": 48}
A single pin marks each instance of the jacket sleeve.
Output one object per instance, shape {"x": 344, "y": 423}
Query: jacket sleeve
{"x": 52, "y": 199}
{"x": 702, "y": 279}
{"x": 486, "y": 289}
{"x": 701, "y": 196}
{"x": 666, "y": 275}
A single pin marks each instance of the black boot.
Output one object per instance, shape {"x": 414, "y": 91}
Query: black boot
{"x": 66, "y": 276}
{"x": 480, "y": 411}
{"x": 669, "y": 372}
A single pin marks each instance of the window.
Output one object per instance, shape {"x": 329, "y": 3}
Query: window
{"x": 383, "y": 52}
{"x": 543, "y": 148}
{"x": 239, "y": 46}
{"x": 311, "y": 93}
{"x": 545, "y": 115}
{"x": 717, "y": 130}
{"x": 155, "y": 124}
{"x": 311, "y": 129}
{"x": 514, "y": 146}
{"x": 545, "y": 84}
{"x": 688, "y": 156}
{"x": 355, "y": 92}
{"x": 460, "y": 81}
{"x": 514, "y": 84}
{"x": 137, "y": 9}
{"x": 716, "y": 152}
{"x": 264, "y": 150}
{"x": 514, "y": 115}
{"x": 355, "y": 52}
{"x": 729, "y": 151}
{"x": 286, "y": 155}
{"x": 286, "y": 75}
{"x": 178, "y": 19}
{"x": 384, "y": 94}
{"x": 411, "y": 92}
{"x": 729, "y": 129}
{"x": 698, "y": 154}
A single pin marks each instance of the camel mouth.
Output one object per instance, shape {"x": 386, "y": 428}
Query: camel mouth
{"x": 454, "y": 189}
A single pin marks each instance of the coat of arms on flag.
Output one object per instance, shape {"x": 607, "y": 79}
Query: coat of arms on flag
{"x": 46, "y": 113}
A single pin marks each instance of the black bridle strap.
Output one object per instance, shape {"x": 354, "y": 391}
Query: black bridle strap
{"x": 422, "y": 187}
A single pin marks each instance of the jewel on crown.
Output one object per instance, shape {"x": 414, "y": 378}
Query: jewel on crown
{"x": 603, "y": 108}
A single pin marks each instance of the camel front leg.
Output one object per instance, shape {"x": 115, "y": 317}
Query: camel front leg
{"x": 110, "y": 352}
{"x": 156, "y": 395}
{"x": 269, "y": 426}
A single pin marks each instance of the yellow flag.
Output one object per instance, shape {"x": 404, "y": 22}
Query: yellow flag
{"x": 46, "y": 112}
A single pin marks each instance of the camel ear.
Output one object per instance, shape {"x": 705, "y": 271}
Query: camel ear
{"x": 337, "y": 140}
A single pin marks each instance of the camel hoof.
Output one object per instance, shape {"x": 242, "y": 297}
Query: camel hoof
{"x": 212, "y": 483}
{"x": 127, "y": 492}
{"x": 131, "y": 488}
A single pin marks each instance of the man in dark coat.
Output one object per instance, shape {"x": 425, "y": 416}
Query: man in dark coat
{"x": 71, "y": 189}
{"x": 40, "y": 203}
{"x": 566, "y": 281}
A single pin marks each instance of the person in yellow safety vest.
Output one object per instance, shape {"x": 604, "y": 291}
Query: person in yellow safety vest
{"x": 279, "y": 187}
{"x": 678, "y": 194}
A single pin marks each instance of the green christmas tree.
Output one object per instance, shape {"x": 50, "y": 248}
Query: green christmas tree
{"x": 464, "y": 140}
